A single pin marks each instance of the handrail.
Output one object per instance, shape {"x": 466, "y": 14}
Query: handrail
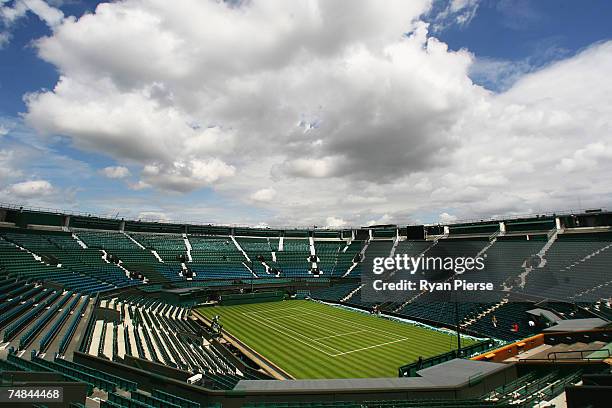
{"x": 554, "y": 353}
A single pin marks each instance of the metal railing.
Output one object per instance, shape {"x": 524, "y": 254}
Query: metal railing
{"x": 580, "y": 352}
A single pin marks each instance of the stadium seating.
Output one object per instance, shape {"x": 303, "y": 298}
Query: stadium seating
{"x": 217, "y": 258}
{"x": 35, "y": 365}
{"x": 259, "y": 251}
{"x": 136, "y": 400}
{"x": 183, "y": 402}
{"x": 78, "y": 269}
{"x": 65, "y": 289}
{"x": 105, "y": 239}
{"x": 413, "y": 248}
{"x": 37, "y": 326}
{"x": 575, "y": 265}
{"x": 506, "y": 315}
{"x": 72, "y": 326}
{"x": 169, "y": 247}
{"x": 334, "y": 293}
{"x": 28, "y": 317}
{"x": 505, "y": 260}
{"x": 152, "y": 331}
{"x": 328, "y": 253}
{"x": 533, "y": 388}
{"x": 293, "y": 260}
{"x": 347, "y": 257}
{"x": 38, "y": 318}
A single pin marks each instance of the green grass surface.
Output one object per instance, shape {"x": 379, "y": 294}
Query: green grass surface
{"x": 313, "y": 340}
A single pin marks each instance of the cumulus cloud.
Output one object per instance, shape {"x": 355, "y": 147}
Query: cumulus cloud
{"x": 12, "y": 11}
{"x": 313, "y": 168}
{"x": 591, "y": 157}
{"x": 8, "y": 164}
{"x": 446, "y": 218}
{"x": 383, "y": 220}
{"x": 139, "y": 185}
{"x": 172, "y": 96}
{"x": 30, "y": 189}
{"x": 184, "y": 176}
{"x": 376, "y": 125}
{"x": 115, "y": 172}
{"x": 265, "y": 195}
{"x": 333, "y": 222}
{"x": 50, "y": 15}
{"x": 153, "y": 216}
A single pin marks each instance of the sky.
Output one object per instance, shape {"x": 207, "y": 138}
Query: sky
{"x": 330, "y": 113}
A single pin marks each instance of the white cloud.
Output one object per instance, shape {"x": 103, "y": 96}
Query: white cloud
{"x": 312, "y": 168}
{"x": 30, "y": 189}
{"x": 11, "y": 12}
{"x": 5, "y": 38}
{"x": 389, "y": 126}
{"x": 184, "y": 176}
{"x": 384, "y": 219}
{"x": 8, "y": 165}
{"x": 139, "y": 185}
{"x": 168, "y": 89}
{"x": 498, "y": 74}
{"x": 446, "y": 218}
{"x": 333, "y": 222}
{"x": 456, "y": 12}
{"x": 423, "y": 185}
{"x": 50, "y": 15}
{"x": 265, "y": 195}
{"x": 153, "y": 216}
{"x": 115, "y": 172}
{"x": 591, "y": 157}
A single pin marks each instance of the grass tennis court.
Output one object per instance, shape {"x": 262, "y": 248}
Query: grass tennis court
{"x": 312, "y": 340}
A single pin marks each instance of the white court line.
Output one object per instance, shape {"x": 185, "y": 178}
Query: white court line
{"x": 315, "y": 325}
{"x": 299, "y": 334}
{"x": 281, "y": 316}
{"x": 341, "y": 334}
{"x": 299, "y": 315}
{"x": 354, "y": 324}
{"x": 273, "y": 310}
{"x": 328, "y": 317}
{"x": 371, "y": 347}
{"x": 336, "y": 322}
{"x": 283, "y": 330}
